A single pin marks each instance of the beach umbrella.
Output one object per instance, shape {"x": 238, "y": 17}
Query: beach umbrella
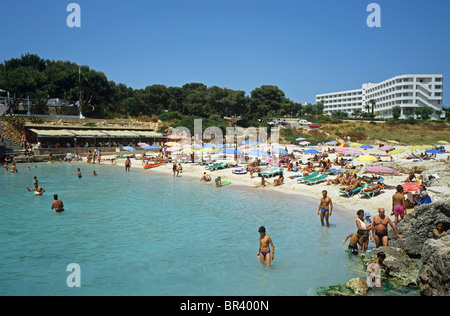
{"x": 386, "y": 148}
{"x": 381, "y": 170}
{"x": 187, "y": 150}
{"x": 393, "y": 142}
{"x": 355, "y": 144}
{"x": 258, "y": 153}
{"x": 148, "y": 147}
{"x": 208, "y": 146}
{"x": 433, "y": 151}
{"x": 244, "y": 147}
{"x": 366, "y": 158}
{"x": 396, "y": 151}
{"x": 279, "y": 151}
{"x": 344, "y": 145}
{"x": 411, "y": 186}
{"x": 443, "y": 142}
{"x": 304, "y": 143}
{"x": 143, "y": 144}
{"x": 230, "y": 151}
{"x": 207, "y": 150}
{"x": 174, "y": 148}
{"x": 300, "y": 138}
{"x": 221, "y": 145}
{"x": 331, "y": 143}
{"x": 264, "y": 145}
{"x": 353, "y": 152}
{"x": 415, "y": 147}
{"x": 129, "y": 148}
{"x": 311, "y": 151}
{"x": 172, "y": 144}
{"x": 366, "y": 147}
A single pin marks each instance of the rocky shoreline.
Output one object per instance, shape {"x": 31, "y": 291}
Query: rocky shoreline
{"x": 418, "y": 262}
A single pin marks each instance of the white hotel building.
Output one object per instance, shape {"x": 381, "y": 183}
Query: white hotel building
{"x": 407, "y": 91}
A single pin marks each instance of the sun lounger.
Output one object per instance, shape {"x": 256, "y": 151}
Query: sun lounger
{"x": 316, "y": 180}
{"x": 215, "y": 166}
{"x": 370, "y": 194}
{"x": 270, "y": 172}
{"x": 312, "y": 175}
{"x": 351, "y": 193}
{"x": 222, "y": 166}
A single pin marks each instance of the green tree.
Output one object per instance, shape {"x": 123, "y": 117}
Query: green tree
{"x": 396, "y": 112}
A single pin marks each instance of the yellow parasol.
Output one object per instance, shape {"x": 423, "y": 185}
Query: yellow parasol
{"x": 366, "y": 158}
{"x": 393, "y": 141}
{"x": 396, "y": 151}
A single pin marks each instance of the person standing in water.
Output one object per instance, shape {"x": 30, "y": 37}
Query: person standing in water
{"x": 264, "y": 247}
{"x": 127, "y": 164}
{"x": 57, "y": 204}
{"x": 325, "y": 208}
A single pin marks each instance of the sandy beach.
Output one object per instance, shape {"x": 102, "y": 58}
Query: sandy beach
{"x": 438, "y": 190}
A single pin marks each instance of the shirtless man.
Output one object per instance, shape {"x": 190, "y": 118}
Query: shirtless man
{"x": 37, "y": 189}
{"x": 325, "y": 208}
{"x": 57, "y": 205}
{"x": 398, "y": 204}
{"x": 264, "y": 248}
{"x": 205, "y": 177}
{"x": 380, "y": 228}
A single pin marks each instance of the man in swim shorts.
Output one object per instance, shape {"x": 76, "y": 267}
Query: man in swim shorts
{"x": 264, "y": 248}
{"x": 398, "y": 204}
{"x": 380, "y": 228}
{"x": 325, "y": 208}
{"x": 37, "y": 189}
{"x": 57, "y": 204}
{"x": 205, "y": 177}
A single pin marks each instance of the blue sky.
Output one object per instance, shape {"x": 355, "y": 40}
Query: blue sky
{"x": 303, "y": 47}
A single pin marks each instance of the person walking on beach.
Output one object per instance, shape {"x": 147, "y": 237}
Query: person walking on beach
{"x": 264, "y": 247}
{"x": 127, "y": 164}
{"x": 325, "y": 208}
{"x": 57, "y": 204}
{"x": 398, "y": 204}
{"x": 380, "y": 228}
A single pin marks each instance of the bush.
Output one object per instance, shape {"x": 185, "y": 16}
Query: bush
{"x": 170, "y": 116}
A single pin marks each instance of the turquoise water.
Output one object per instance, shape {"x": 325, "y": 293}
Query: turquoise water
{"x": 143, "y": 233}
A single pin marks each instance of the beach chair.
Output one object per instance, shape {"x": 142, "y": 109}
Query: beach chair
{"x": 316, "y": 180}
{"x": 351, "y": 193}
{"x": 271, "y": 172}
{"x": 222, "y": 166}
{"x": 214, "y": 166}
{"x": 370, "y": 194}
{"x": 312, "y": 175}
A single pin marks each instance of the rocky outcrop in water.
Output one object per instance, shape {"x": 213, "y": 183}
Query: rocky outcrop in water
{"x": 417, "y": 226}
{"x": 404, "y": 270}
{"x": 434, "y": 279}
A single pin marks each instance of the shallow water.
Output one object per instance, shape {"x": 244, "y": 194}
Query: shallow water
{"x": 143, "y": 233}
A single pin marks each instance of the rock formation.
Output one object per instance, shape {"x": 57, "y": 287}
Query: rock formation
{"x": 434, "y": 279}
